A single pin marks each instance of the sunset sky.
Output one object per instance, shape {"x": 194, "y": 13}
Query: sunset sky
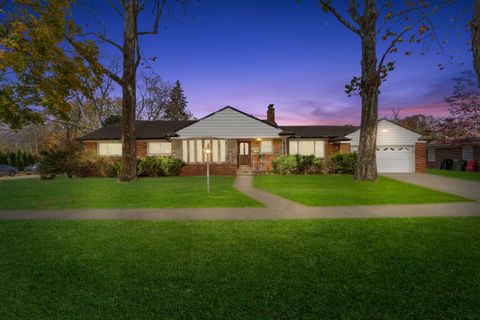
{"x": 251, "y": 53}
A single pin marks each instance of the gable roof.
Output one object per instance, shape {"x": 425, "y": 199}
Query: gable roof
{"x": 156, "y": 129}
{"x": 389, "y": 133}
{"x": 230, "y": 123}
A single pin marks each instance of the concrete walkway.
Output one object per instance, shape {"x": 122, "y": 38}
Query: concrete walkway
{"x": 381, "y": 211}
{"x": 464, "y": 188}
{"x": 276, "y": 208}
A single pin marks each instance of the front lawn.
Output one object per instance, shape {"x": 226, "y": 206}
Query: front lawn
{"x": 422, "y": 268}
{"x": 342, "y": 190}
{"x": 473, "y": 176}
{"x": 172, "y": 192}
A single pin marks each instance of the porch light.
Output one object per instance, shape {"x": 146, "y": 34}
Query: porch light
{"x": 208, "y": 151}
{"x": 259, "y": 139}
{"x": 384, "y": 130}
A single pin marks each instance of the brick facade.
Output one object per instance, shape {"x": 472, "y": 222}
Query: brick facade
{"x": 453, "y": 152}
{"x": 331, "y": 148}
{"x": 141, "y": 148}
{"x": 200, "y": 169}
{"x": 345, "y": 147}
{"x": 264, "y": 161}
{"x": 90, "y": 146}
{"x": 420, "y": 157}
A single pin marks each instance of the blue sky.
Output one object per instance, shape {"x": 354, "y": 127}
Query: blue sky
{"x": 249, "y": 54}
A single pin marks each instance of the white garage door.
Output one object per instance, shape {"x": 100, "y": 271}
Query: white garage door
{"x": 395, "y": 159}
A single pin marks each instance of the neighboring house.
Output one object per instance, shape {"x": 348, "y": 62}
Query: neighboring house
{"x": 239, "y": 140}
{"x": 462, "y": 149}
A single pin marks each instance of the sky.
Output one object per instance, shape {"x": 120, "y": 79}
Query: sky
{"x": 251, "y": 53}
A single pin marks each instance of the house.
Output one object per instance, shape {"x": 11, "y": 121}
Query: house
{"x": 462, "y": 149}
{"x": 239, "y": 140}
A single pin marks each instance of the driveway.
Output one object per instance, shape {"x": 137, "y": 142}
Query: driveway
{"x": 459, "y": 187}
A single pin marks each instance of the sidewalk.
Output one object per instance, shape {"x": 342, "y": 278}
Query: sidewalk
{"x": 276, "y": 208}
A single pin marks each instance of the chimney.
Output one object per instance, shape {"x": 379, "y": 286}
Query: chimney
{"x": 271, "y": 115}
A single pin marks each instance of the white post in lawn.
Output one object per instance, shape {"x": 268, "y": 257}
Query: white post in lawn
{"x": 208, "y": 151}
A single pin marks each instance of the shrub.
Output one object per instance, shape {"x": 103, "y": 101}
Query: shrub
{"x": 171, "y": 166}
{"x": 89, "y": 164}
{"x": 297, "y": 164}
{"x": 342, "y": 163}
{"x": 285, "y": 165}
{"x": 53, "y": 162}
{"x": 160, "y": 166}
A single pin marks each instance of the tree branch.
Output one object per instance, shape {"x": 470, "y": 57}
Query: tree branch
{"x": 352, "y": 9}
{"x": 112, "y": 4}
{"x": 159, "y": 9}
{"x": 391, "y": 46}
{"x": 109, "y": 73}
{"x": 104, "y": 39}
{"x": 350, "y": 26}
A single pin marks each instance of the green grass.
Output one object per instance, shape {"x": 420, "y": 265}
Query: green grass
{"x": 342, "y": 190}
{"x": 422, "y": 268}
{"x": 173, "y": 192}
{"x": 473, "y": 176}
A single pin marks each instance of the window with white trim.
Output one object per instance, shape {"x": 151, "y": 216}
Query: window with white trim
{"x": 110, "y": 149}
{"x": 159, "y": 148}
{"x": 266, "y": 146}
{"x": 193, "y": 151}
{"x": 307, "y": 147}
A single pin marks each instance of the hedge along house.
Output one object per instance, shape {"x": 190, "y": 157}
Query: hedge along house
{"x": 240, "y": 143}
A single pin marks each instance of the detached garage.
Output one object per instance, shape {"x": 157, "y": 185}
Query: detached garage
{"x": 398, "y": 148}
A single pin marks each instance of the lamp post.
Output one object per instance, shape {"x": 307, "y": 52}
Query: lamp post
{"x": 208, "y": 151}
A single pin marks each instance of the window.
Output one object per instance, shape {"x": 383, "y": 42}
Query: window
{"x": 193, "y": 151}
{"x": 110, "y": 149}
{"x": 266, "y": 146}
{"x": 307, "y": 147}
{"x": 159, "y": 148}
{"x": 431, "y": 155}
{"x": 467, "y": 153}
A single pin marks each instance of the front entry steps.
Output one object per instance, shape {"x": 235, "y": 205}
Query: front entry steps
{"x": 245, "y": 171}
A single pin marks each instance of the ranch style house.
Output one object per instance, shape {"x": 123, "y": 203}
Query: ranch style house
{"x": 241, "y": 142}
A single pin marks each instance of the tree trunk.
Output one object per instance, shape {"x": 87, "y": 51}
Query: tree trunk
{"x": 128, "y": 170}
{"x": 476, "y": 39}
{"x": 369, "y": 88}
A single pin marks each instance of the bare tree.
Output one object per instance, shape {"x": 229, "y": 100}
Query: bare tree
{"x": 153, "y": 96}
{"x": 464, "y": 102}
{"x": 129, "y": 49}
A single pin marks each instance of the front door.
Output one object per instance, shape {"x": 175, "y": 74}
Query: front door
{"x": 244, "y": 153}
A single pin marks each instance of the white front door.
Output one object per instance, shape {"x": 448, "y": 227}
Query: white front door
{"x": 395, "y": 159}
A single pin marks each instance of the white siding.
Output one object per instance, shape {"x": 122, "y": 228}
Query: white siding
{"x": 389, "y": 134}
{"x": 229, "y": 123}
